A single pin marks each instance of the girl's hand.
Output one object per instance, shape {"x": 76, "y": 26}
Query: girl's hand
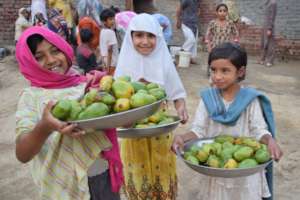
{"x": 181, "y": 110}
{"x": 178, "y": 143}
{"x": 274, "y": 149}
{"x": 50, "y": 123}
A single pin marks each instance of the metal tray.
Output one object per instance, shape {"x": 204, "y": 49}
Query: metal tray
{"x": 218, "y": 172}
{"x": 118, "y": 119}
{"x": 148, "y": 132}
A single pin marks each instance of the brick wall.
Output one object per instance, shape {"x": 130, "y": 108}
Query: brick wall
{"x": 8, "y": 15}
{"x": 287, "y": 22}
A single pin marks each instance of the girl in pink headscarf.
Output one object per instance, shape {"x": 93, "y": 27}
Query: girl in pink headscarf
{"x": 66, "y": 163}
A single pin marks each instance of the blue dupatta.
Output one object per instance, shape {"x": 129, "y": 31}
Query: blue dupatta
{"x": 217, "y": 112}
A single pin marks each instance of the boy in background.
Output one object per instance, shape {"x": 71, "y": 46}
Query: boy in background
{"x": 108, "y": 41}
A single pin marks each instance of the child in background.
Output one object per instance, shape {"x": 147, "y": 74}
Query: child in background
{"x": 230, "y": 108}
{"x": 149, "y": 165}
{"x": 221, "y": 30}
{"x": 108, "y": 41}
{"x": 166, "y": 25}
{"x": 66, "y": 163}
{"x": 22, "y": 22}
{"x": 85, "y": 57}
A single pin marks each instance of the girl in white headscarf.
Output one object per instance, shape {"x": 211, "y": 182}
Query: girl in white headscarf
{"x": 149, "y": 164}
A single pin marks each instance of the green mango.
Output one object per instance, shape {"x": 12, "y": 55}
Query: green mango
{"x": 208, "y": 148}
{"x": 194, "y": 149}
{"x": 106, "y": 83}
{"x": 227, "y": 153}
{"x": 224, "y": 138}
{"x": 262, "y": 156}
{"x": 124, "y": 78}
{"x": 150, "y": 86}
{"x": 143, "y": 91}
{"x": 121, "y": 105}
{"x": 187, "y": 154}
{"x": 193, "y": 160}
{"x": 250, "y": 142}
{"x": 138, "y": 86}
{"x": 158, "y": 93}
{"x": 264, "y": 147}
{"x": 157, "y": 117}
{"x": 243, "y": 153}
{"x": 91, "y": 97}
{"x": 122, "y": 89}
{"x": 141, "y": 126}
{"x": 76, "y": 108}
{"x": 217, "y": 148}
{"x": 62, "y": 109}
{"x": 227, "y": 145}
{"x": 143, "y": 121}
{"x": 247, "y": 163}
{"x": 141, "y": 99}
{"x": 166, "y": 120}
{"x": 108, "y": 99}
{"x": 94, "y": 110}
{"x": 214, "y": 161}
{"x": 202, "y": 156}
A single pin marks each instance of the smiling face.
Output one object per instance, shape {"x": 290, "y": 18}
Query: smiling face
{"x": 222, "y": 13}
{"x": 224, "y": 74}
{"x": 143, "y": 42}
{"x": 51, "y": 58}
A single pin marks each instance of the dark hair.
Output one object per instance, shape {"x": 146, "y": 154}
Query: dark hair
{"x": 221, "y": 5}
{"x": 115, "y": 9}
{"x": 33, "y": 41}
{"x": 85, "y": 35}
{"x": 233, "y": 52}
{"x": 107, "y": 13}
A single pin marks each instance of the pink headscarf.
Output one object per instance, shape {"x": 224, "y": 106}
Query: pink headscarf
{"x": 40, "y": 77}
{"x": 33, "y": 71}
{"x": 123, "y": 19}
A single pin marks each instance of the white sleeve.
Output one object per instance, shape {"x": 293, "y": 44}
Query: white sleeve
{"x": 173, "y": 85}
{"x": 200, "y": 123}
{"x": 257, "y": 124}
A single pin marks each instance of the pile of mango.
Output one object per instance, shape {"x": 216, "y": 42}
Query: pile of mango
{"x": 229, "y": 153}
{"x": 112, "y": 96}
{"x": 157, "y": 119}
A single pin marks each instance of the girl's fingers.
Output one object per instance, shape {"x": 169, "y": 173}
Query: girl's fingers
{"x": 68, "y": 129}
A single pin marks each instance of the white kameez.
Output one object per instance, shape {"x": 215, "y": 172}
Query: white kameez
{"x": 250, "y": 123}
{"x": 191, "y": 41}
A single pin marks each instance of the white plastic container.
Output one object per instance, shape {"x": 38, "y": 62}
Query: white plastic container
{"x": 184, "y": 59}
{"x": 174, "y": 50}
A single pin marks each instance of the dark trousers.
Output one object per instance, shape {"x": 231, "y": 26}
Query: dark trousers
{"x": 100, "y": 188}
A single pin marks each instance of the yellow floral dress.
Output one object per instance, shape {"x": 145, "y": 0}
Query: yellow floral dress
{"x": 149, "y": 168}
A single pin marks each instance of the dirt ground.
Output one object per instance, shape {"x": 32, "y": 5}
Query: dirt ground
{"x": 281, "y": 83}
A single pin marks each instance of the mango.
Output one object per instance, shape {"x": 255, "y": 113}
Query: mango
{"x": 208, "y": 148}
{"x": 75, "y": 110}
{"x": 141, "y": 99}
{"x": 151, "y": 124}
{"x": 217, "y": 148}
{"x": 264, "y": 147}
{"x": 192, "y": 159}
{"x": 121, "y": 105}
{"x": 243, "y": 153}
{"x": 91, "y": 97}
{"x": 122, "y": 89}
{"x": 186, "y": 154}
{"x": 231, "y": 164}
{"x": 202, "y": 156}
{"x": 157, "y": 117}
{"x": 143, "y": 91}
{"x": 143, "y": 121}
{"x": 224, "y": 138}
{"x": 108, "y": 99}
{"x": 167, "y": 120}
{"x": 62, "y": 109}
{"x": 213, "y": 161}
{"x": 106, "y": 83}
{"x": 94, "y": 110}
{"x": 247, "y": 163}
{"x": 150, "y": 86}
{"x": 141, "y": 126}
{"x": 227, "y": 145}
{"x": 262, "y": 156}
{"x": 124, "y": 78}
{"x": 158, "y": 93}
{"x": 138, "y": 86}
{"x": 250, "y": 142}
{"x": 194, "y": 149}
{"x": 227, "y": 153}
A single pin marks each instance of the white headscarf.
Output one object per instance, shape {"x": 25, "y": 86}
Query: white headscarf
{"x": 157, "y": 67}
{"x": 38, "y": 6}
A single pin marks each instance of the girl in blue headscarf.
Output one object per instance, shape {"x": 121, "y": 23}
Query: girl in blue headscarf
{"x": 229, "y": 108}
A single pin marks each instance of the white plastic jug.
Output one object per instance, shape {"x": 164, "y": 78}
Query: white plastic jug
{"x": 184, "y": 59}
